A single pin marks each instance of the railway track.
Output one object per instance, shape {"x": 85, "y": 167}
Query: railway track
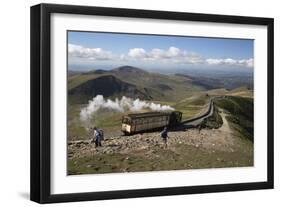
{"x": 195, "y": 121}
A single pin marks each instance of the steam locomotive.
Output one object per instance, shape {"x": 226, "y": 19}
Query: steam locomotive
{"x": 142, "y": 122}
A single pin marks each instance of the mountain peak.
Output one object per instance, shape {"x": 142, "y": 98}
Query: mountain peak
{"x": 129, "y": 69}
{"x": 97, "y": 71}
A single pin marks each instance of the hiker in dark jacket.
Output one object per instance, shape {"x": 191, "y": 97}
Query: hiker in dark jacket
{"x": 164, "y": 135}
{"x": 97, "y": 136}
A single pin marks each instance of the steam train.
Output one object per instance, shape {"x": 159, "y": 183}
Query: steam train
{"x": 142, "y": 122}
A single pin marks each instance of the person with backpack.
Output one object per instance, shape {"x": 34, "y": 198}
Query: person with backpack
{"x": 164, "y": 136}
{"x": 98, "y": 136}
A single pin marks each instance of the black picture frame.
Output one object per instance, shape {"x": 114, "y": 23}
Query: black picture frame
{"x": 41, "y": 98}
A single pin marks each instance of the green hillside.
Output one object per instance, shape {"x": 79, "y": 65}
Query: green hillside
{"x": 241, "y": 114}
{"x": 131, "y": 82}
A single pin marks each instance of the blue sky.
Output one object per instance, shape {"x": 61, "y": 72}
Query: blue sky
{"x": 106, "y": 50}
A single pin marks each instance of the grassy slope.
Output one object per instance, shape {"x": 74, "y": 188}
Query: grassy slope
{"x": 75, "y": 80}
{"x": 185, "y": 157}
{"x": 241, "y": 114}
{"x": 241, "y": 91}
{"x": 192, "y": 106}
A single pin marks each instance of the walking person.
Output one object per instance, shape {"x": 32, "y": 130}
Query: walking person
{"x": 164, "y": 135}
{"x": 97, "y": 136}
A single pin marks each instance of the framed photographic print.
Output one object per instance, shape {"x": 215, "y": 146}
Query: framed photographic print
{"x": 133, "y": 103}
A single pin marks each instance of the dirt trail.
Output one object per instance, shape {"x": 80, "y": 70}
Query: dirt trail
{"x": 225, "y": 127}
{"x": 224, "y": 136}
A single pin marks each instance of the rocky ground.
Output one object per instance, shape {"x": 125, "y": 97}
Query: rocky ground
{"x": 187, "y": 149}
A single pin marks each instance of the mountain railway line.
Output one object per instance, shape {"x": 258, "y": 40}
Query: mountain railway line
{"x": 195, "y": 121}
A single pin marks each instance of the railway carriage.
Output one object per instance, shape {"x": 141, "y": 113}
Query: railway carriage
{"x": 141, "y": 122}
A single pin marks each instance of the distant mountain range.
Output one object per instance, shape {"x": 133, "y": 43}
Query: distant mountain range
{"x": 137, "y": 83}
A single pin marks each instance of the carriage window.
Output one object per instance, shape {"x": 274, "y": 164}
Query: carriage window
{"x": 126, "y": 121}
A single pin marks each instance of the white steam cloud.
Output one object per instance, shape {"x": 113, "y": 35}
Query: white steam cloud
{"x": 124, "y": 104}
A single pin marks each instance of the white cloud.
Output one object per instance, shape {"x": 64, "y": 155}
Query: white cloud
{"x": 172, "y": 54}
{"x": 137, "y": 53}
{"x": 248, "y": 62}
{"x": 229, "y": 61}
{"x": 88, "y": 53}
